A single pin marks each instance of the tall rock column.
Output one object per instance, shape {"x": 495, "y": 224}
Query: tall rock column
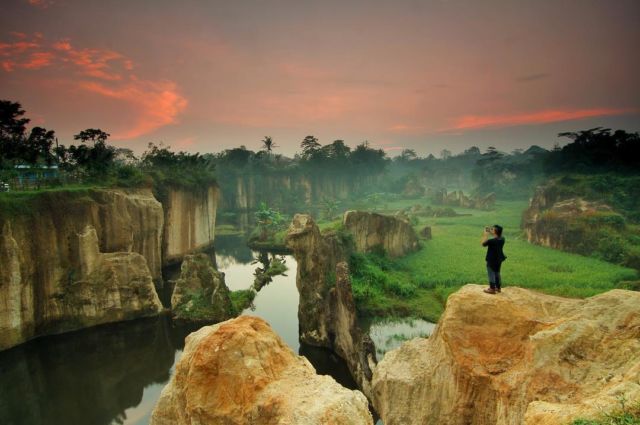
{"x": 326, "y": 311}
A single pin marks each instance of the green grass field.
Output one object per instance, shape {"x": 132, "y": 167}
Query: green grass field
{"x": 419, "y": 284}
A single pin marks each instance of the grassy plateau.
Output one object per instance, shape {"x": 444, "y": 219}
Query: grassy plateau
{"x": 419, "y": 283}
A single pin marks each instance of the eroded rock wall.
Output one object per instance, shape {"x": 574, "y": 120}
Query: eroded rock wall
{"x": 372, "y": 232}
{"x": 91, "y": 289}
{"x": 285, "y": 191}
{"x": 520, "y": 357}
{"x": 190, "y": 222}
{"x": 241, "y": 372}
{"x": 49, "y": 270}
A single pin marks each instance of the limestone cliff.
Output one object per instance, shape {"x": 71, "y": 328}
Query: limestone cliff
{"x": 44, "y": 256}
{"x": 84, "y": 288}
{"x": 284, "y": 191}
{"x": 372, "y": 231}
{"x": 190, "y": 222}
{"x": 326, "y": 311}
{"x": 520, "y": 357}
{"x": 241, "y": 372}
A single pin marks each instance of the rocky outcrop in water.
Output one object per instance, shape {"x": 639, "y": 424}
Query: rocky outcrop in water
{"x": 200, "y": 294}
{"x": 326, "y": 311}
{"x": 375, "y": 232}
{"x": 190, "y": 221}
{"x": 317, "y": 256}
{"x": 519, "y": 357}
{"x": 95, "y": 287}
{"x": 241, "y": 372}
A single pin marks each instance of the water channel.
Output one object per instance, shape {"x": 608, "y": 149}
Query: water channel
{"x": 113, "y": 374}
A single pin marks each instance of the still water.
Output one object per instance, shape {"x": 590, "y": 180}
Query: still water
{"x": 113, "y": 374}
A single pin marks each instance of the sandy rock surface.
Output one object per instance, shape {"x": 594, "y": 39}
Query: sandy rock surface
{"x": 241, "y": 372}
{"x": 519, "y": 357}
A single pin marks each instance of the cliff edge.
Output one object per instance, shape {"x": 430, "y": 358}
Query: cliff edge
{"x": 519, "y": 357}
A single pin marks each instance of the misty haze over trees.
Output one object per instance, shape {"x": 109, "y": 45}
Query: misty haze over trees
{"x": 94, "y": 160}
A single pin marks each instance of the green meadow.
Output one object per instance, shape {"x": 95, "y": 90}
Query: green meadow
{"x": 419, "y": 284}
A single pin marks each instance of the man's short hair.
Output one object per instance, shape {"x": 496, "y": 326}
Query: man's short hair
{"x": 498, "y": 229}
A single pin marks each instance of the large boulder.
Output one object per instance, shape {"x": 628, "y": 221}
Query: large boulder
{"x": 520, "y": 357}
{"x": 200, "y": 294}
{"x": 241, "y": 372}
{"x": 372, "y": 231}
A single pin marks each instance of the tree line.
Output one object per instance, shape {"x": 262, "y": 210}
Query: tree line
{"x": 91, "y": 158}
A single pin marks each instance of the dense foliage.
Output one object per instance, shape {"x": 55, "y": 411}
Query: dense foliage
{"x": 35, "y": 159}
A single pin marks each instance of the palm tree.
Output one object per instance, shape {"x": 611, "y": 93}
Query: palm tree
{"x": 268, "y": 144}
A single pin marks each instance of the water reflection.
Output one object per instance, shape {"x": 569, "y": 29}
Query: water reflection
{"x": 389, "y": 334}
{"x": 86, "y": 377}
{"x": 276, "y": 302}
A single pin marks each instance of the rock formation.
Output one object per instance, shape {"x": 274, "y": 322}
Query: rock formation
{"x": 326, "y": 311}
{"x": 41, "y": 257}
{"x": 426, "y": 232}
{"x": 548, "y": 219}
{"x": 372, "y": 231}
{"x": 520, "y": 357}
{"x": 200, "y": 294}
{"x": 347, "y": 339}
{"x": 241, "y": 372}
{"x": 286, "y": 191}
{"x": 190, "y": 222}
{"x": 457, "y": 198}
{"x": 96, "y": 288}
{"x": 317, "y": 256}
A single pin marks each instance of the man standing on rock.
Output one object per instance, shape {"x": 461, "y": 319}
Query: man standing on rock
{"x": 495, "y": 256}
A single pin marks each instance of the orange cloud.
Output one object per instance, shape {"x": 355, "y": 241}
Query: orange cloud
{"x": 158, "y": 103}
{"x": 43, "y": 4}
{"x": 104, "y": 72}
{"x": 541, "y": 117}
{"x": 38, "y": 60}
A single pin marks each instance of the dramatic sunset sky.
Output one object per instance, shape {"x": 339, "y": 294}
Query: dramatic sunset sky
{"x": 429, "y": 75}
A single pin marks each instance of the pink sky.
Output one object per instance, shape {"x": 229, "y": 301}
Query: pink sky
{"x": 429, "y": 75}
